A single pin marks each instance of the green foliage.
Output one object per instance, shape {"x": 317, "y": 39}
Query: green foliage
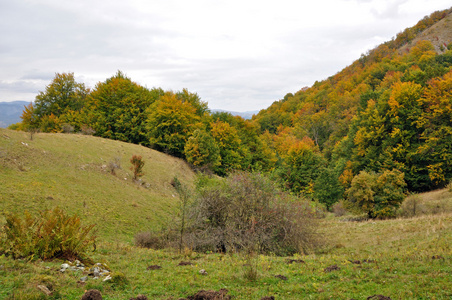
{"x": 171, "y": 121}
{"x": 51, "y": 235}
{"x": 63, "y": 96}
{"x": 327, "y": 188}
{"x": 202, "y": 151}
{"x": 115, "y": 109}
{"x": 137, "y": 166}
{"x": 378, "y": 195}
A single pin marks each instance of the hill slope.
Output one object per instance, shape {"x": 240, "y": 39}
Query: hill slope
{"x": 72, "y": 171}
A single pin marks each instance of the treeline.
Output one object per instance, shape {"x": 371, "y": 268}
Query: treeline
{"x": 382, "y": 124}
{"x": 177, "y": 123}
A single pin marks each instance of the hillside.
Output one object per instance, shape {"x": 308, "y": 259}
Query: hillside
{"x": 73, "y": 171}
{"x": 388, "y": 110}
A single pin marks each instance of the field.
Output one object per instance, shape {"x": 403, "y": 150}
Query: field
{"x": 403, "y": 258}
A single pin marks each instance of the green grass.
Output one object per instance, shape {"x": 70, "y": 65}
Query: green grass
{"x": 410, "y": 258}
{"x": 71, "y": 171}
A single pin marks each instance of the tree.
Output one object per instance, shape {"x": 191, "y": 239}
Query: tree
{"x": 115, "y": 109}
{"x": 171, "y": 121}
{"x": 62, "y": 96}
{"x": 232, "y": 152}
{"x": 137, "y": 166}
{"x": 202, "y": 151}
{"x": 377, "y": 194}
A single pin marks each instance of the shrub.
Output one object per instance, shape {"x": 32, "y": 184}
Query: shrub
{"x": 67, "y": 128}
{"x": 86, "y": 130}
{"x": 377, "y": 194}
{"x": 52, "y": 234}
{"x": 137, "y": 166}
{"x": 150, "y": 240}
{"x": 339, "y": 209}
{"x": 412, "y": 206}
{"x": 247, "y": 212}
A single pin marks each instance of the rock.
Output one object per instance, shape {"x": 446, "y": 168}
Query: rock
{"x": 44, "y": 289}
{"x": 107, "y": 278}
{"x": 64, "y": 267}
{"x": 92, "y": 295}
{"x": 202, "y": 272}
{"x": 84, "y": 278}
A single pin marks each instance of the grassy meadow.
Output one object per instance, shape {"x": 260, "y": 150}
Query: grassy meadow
{"x": 403, "y": 258}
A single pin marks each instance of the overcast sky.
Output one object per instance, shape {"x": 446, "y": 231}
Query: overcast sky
{"x": 238, "y": 55}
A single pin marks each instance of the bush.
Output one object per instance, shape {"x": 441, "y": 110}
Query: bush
{"x": 377, "y": 194}
{"x": 247, "y": 212}
{"x": 52, "y": 234}
{"x": 412, "y": 207}
{"x": 150, "y": 240}
{"x": 137, "y": 166}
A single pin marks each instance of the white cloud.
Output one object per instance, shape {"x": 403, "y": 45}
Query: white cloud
{"x": 237, "y": 55}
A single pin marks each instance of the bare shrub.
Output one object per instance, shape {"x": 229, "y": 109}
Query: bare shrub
{"x": 113, "y": 165}
{"x": 247, "y": 212}
{"x": 67, "y": 128}
{"x": 412, "y": 206}
{"x": 339, "y": 209}
{"x": 86, "y": 130}
{"x": 149, "y": 240}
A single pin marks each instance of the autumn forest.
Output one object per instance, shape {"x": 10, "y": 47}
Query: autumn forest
{"x": 380, "y": 128}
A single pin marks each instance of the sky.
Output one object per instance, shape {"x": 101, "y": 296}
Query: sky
{"x": 237, "y": 55}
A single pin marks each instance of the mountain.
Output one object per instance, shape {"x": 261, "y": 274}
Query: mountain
{"x": 247, "y": 115}
{"x": 390, "y": 109}
{"x": 10, "y": 112}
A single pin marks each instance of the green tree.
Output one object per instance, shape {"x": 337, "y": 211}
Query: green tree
{"x": 327, "y": 188}
{"x": 63, "y": 95}
{"x": 171, "y": 121}
{"x": 116, "y": 108}
{"x": 233, "y": 154}
{"x": 377, "y": 194}
{"x": 202, "y": 151}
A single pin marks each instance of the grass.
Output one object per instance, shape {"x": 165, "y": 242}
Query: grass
{"x": 71, "y": 171}
{"x": 403, "y": 258}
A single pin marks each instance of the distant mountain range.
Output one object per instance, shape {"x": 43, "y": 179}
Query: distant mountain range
{"x": 10, "y": 112}
{"x": 246, "y": 115}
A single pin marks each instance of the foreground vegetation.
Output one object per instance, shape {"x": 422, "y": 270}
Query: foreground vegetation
{"x": 403, "y": 258}
{"x": 400, "y": 258}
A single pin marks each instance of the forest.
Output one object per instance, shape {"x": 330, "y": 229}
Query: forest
{"x": 372, "y": 133}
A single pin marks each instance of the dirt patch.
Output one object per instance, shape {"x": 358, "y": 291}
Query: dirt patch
{"x": 281, "y": 277}
{"x": 185, "y": 263}
{"x": 209, "y": 295}
{"x": 298, "y": 261}
{"x": 437, "y": 257}
{"x": 378, "y": 297}
{"x": 140, "y": 297}
{"x": 332, "y": 268}
{"x": 268, "y": 298}
{"x": 92, "y": 295}
{"x": 154, "y": 267}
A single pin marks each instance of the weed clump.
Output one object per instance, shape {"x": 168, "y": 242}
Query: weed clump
{"x": 52, "y": 234}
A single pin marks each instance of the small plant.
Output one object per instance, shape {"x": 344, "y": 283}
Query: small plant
{"x": 149, "y": 240}
{"x": 52, "y": 234}
{"x": 67, "y": 128}
{"x": 86, "y": 130}
{"x": 113, "y": 165}
{"x": 137, "y": 166}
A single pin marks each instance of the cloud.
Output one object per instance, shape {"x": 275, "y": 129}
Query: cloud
{"x": 237, "y": 55}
